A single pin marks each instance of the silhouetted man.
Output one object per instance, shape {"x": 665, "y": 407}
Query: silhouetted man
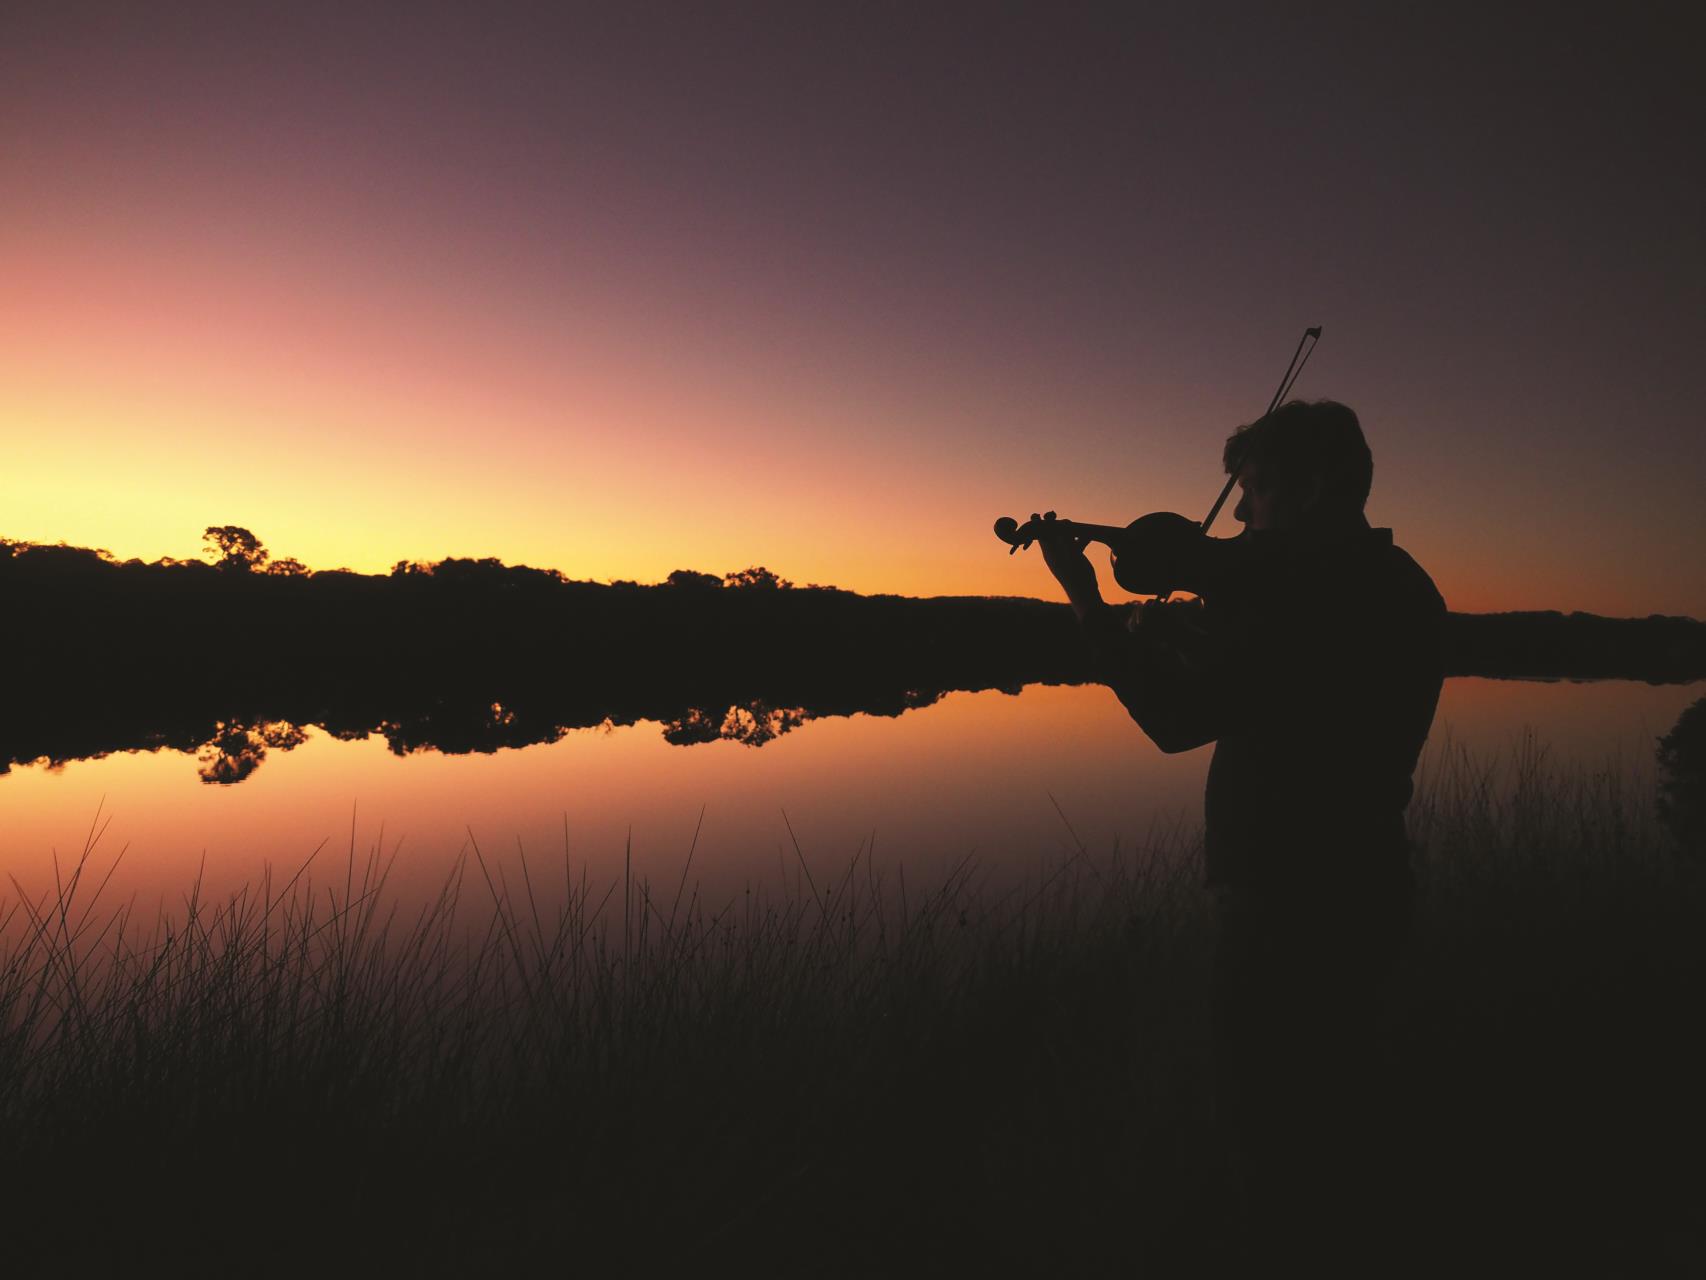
{"x": 1315, "y": 671}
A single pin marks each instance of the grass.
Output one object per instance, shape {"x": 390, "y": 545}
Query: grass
{"x": 842, "y": 1075}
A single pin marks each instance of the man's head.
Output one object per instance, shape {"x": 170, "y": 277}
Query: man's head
{"x": 1305, "y": 465}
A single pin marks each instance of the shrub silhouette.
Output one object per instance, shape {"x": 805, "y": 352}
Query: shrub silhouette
{"x": 1682, "y": 780}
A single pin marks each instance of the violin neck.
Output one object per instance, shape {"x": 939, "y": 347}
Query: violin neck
{"x": 1105, "y": 533}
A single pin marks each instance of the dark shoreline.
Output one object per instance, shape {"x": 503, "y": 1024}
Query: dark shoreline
{"x": 474, "y": 655}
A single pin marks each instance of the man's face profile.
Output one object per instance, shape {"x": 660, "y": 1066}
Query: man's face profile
{"x": 1255, "y": 501}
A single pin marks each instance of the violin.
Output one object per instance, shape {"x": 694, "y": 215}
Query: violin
{"x": 1163, "y": 552}
{"x": 1154, "y": 555}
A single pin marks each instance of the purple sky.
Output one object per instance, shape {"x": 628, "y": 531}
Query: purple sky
{"x": 627, "y": 288}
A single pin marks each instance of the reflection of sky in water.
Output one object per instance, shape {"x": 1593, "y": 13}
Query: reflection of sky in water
{"x": 974, "y": 772}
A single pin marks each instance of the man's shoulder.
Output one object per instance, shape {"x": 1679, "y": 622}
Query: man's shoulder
{"x": 1406, "y": 583}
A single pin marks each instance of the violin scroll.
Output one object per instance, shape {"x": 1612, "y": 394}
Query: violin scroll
{"x": 1020, "y": 536}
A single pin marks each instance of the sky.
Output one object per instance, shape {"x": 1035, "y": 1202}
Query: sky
{"x": 626, "y": 288}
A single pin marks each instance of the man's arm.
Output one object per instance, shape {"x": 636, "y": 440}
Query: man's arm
{"x": 1170, "y": 683}
{"x": 1172, "y": 693}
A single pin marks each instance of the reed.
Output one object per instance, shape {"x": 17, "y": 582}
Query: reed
{"x": 840, "y": 1073}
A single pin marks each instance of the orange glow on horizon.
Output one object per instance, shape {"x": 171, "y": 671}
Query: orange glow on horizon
{"x": 365, "y": 360}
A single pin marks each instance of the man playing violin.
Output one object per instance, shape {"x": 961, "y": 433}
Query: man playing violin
{"x": 1313, "y": 663}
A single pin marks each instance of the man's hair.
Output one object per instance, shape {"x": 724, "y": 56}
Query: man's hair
{"x": 1302, "y": 440}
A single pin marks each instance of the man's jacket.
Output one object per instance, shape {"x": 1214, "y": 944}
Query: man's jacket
{"x": 1315, "y": 675}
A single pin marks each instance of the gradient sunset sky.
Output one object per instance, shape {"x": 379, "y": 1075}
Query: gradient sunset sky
{"x": 626, "y": 288}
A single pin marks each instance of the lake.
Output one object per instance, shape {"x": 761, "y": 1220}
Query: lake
{"x": 975, "y": 774}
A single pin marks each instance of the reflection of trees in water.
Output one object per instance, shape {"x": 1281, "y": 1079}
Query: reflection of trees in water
{"x": 238, "y": 747}
{"x": 460, "y": 728}
{"x": 236, "y": 750}
{"x": 753, "y": 723}
{"x": 1682, "y": 779}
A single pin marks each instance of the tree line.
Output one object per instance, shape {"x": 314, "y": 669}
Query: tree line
{"x": 473, "y": 654}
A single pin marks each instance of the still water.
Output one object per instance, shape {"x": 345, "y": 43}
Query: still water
{"x": 990, "y": 774}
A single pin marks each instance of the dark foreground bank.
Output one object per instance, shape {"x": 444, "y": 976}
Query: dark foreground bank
{"x": 850, "y": 1075}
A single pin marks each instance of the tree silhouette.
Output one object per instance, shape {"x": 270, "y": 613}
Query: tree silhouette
{"x": 236, "y": 549}
{"x": 692, "y": 580}
{"x": 757, "y": 577}
{"x": 753, "y": 724}
{"x": 236, "y": 749}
